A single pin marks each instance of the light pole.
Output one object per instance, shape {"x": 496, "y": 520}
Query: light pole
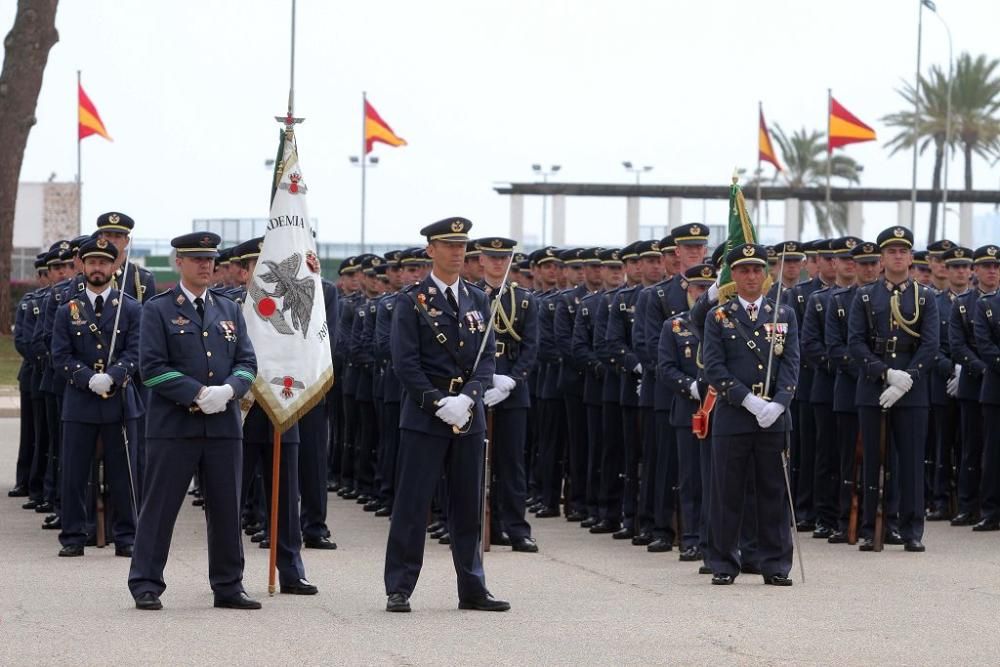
{"x": 947, "y": 112}
{"x": 916, "y": 109}
{"x": 545, "y": 173}
{"x": 637, "y": 170}
{"x": 372, "y": 161}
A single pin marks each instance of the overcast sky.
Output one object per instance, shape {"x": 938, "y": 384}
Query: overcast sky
{"x": 480, "y": 90}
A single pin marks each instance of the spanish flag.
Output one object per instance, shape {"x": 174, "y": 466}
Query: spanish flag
{"x": 377, "y": 129}
{"x": 90, "y": 121}
{"x": 845, "y": 128}
{"x": 765, "y": 149}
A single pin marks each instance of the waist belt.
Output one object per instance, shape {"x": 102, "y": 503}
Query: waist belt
{"x": 451, "y": 386}
{"x": 893, "y": 345}
{"x": 508, "y": 349}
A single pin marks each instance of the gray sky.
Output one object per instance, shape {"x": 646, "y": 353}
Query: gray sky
{"x": 480, "y": 91}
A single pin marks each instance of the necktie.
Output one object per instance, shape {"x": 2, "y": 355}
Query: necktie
{"x": 451, "y": 299}
{"x": 199, "y": 305}
{"x": 99, "y": 305}
{"x": 752, "y": 311}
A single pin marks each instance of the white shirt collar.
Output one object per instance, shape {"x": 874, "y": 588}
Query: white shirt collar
{"x": 191, "y": 295}
{"x": 758, "y": 303}
{"x": 93, "y": 295}
{"x": 442, "y": 285}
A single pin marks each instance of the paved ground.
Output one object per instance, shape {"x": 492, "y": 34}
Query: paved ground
{"x": 583, "y": 600}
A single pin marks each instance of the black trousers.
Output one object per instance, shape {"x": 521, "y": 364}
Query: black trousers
{"x": 551, "y": 451}
{"x": 390, "y": 453}
{"x": 347, "y": 449}
{"x": 847, "y": 434}
{"x": 314, "y": 433}
{"x": 26, "y": 445}
{"x": 971, "y": 472}
{"x": 948, "y": 454}
{"x": 689, "y": 486}
{"x": 612, "y": 463}
{"x": 576, "y": 452}
{"x": 906, "y": 435}
{"x": 595, "y": 455}
{"x": 364, "y": 447}
{"x": 54, "y": 416}
{"x": 805, "y": 500}
{"x": 665, "y": 482}
{"x": 991, "y": 462}
{"x": 826, "y": 471}
{"x": 631, "y": 453}
{"x": 40, "y": 456}
{"x": 649, "y": 462}
{"x": 510, "y": 486}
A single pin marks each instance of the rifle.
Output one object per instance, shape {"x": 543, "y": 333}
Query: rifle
{"x": 857, "y": 484}
{"x": 487, "y": 513}
{"x": 883, "y": 474}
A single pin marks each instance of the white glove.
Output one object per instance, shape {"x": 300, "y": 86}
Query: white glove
{"x": 713, "y": 291}
{"x": 454, "y": 410}
{"x": 214, "y": 399}
{"x": 770, "y": 414}
{"x": 638, "y": 388}
{"x": 693, "y": 389}
{"x": 504, "y": 383}
{"x": 898, "y": 378}
{"x": 494, "y": 396}
{"x": 951, "y": 387}
{"x": 890, "y": 396}
{"x": 100, "y": 383}
{"x": 638, "y": 369}
{"x": 754, "y": 404}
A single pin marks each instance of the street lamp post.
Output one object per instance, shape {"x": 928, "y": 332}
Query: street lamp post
{"x": 638, "y": 171}
{"x": 947, "y": 116}
{"x": 371, "y": 162}
{"x": 545, "y": 173}
{"x": 916, "y": 112}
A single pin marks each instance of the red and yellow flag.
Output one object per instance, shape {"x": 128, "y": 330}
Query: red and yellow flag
{"x": 377, "y": 129}
{"x": 765, "y": 149}
{"x": 90, "y": 120}
{"x": 845, "y": 128}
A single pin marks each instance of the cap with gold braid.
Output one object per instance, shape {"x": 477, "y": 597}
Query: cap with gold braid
{"x": 197, "y": 244}
{"x": 98, "y": 248}
{"x": 451, "y": 230}
{"x": 115, "y": 222}
{"x": 747, "y": 253}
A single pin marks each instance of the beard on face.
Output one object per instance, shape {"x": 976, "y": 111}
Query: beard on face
{"x": 98, "y": 278}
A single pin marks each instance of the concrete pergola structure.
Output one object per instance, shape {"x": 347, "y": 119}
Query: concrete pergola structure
{"x": 792, "y": 198}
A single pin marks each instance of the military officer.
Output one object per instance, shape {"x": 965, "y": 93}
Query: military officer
{"x": 987, "y": 328}
{"x": 745, "y": 339}
{"x": 100, "y": 401}
{"x": 435, "y": 342}
{"x": 37, "y": 356}
{"x": 893, "y": 332}
{"x": 116, "y": 228}
{"x": 195, "y": 355}
{"x": 937, "y": 265}
{"x": 349, "y": 385}
{"x": 920, "y": 270}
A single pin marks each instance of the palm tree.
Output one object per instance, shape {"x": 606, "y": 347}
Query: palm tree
{"x": 931, "y": 127}
{"x": 975, "y": 107}
{"x": 805, "y": 157}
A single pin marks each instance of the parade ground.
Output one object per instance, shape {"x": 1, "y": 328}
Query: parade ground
{"x": 584, "y": 599}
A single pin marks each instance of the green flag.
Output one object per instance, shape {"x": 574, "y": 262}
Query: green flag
{"x": 740, "y": 231}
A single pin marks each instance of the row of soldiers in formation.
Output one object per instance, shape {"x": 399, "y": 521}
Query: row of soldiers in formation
{"x": 597, "y": 379}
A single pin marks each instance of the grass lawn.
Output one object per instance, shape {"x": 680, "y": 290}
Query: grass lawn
{"x": 10, "y": 362}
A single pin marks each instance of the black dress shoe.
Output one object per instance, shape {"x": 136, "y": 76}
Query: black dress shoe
{"x": 383, "y": 511}
{"x": 986, "y": 525}
{"x": 603, "y": 527}
{"x": 350, "y": 494}
{"x": 436, "y": 526}
{"x": 52, "y": 525}
{"x": 238, "y": 601}
{"x": 963, "y": 519}
{"x": 777, "y": 580}
{"x": 17, "y": 492}
{"x": 31, "y": 504}
{"x": 822, "y": 533}
{"x": 837, "y": 537}
{"x": 319, "y": 543}
{"x": 660, "y": 545}
{"x": 524, "y": 544}
{"x": 690, "y": 554}
{"x": 547, "y": 513}
{"x": 362, "y": 498}
{"x": 398, "y": 602}
{"x": 485, "y": 603}
{"x": 499, "y": 538}
{"x": 866, "y": 544}
{"x": 332, "y": 487}
{"x": 750, "y": 568}
{"x": 44, "y": 508}
{"x": 893, "y": 537}
{"x": 125, "y": 551}
{"x": 704, "y": 569}
{"x": 264, "y": 543}
{"x": 938, "y": 515}
{"x": 914, "y": 546}
{"x": 444, "y": 539}
{"x": 589, "y": 522}
{"x": 299, "y": 587}
{"x": 623, "y": 534}
{"x": 258, "y": 537}
{"x": 643, "y": 539}
{"x": 198, "y": 502}
{"x": 71, "y": 551}
{"x": 723, "y": 579}
{"x": 50, "y": 518}
{"x": 91, "y": 541}
{"x": 575, "y": 516}
{"x": 536, "y": 507}
{"x": 148, "y": 602}
{"x": 439, "y": 533}
{"x": 253, "y": 528}
{"x": 372, "y": 506}
{"x": 805, "y": 526}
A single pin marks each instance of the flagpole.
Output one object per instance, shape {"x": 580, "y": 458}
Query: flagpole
{"x": 291, "y": 78}
{"x": 79, "y": 162}
{"x": 756, "y": 212}
{"x": 829, "y": 154}
{"x": 916, "y": 120}
{"x": 364, "y": 160}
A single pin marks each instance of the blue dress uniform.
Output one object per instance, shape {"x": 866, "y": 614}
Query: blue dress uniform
{"x": 736, "y": 351}
{"x": 987, "y": 329}
{"x": 22, "y": 343}
{"x": 362, "y": 359}
{"x": 585, "y": 357}
{"x": 434, "y": 349}
{"x": 81, "y": 339}
{"x": 36, "y": 476}
{"x": 894, "y": 328}
{"x": 612, "y": 454}
{"x": 343, "y": 372}
{"x": 551, "y": 413}
{"x": 349, "y": 390}
{"x": 181, "y": 352}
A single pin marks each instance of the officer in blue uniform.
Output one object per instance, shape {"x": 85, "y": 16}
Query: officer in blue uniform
{"x": 38, "y": 357}
{"x": 987, "y": 328}
{"x": 438, "y": 329}
{"x": 745, "y": 339}
{"x": 351, "y": 380}
{"x": 100, "y": 400}
{"x": 516, "y": 333}
{"x": 893, "y": 332}
{"x": 139, "y": 283}
{"x": 196, "y": 356}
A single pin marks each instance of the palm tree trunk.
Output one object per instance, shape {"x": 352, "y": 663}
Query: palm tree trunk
{"x": 936, "y": 187}
{"x": 967, "y": 147}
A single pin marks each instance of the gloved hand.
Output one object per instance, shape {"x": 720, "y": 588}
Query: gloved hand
{"x": 770, "y": 414}
{"x": 638, "y": 369}
{"x": 504, "y": 383}
{"x": 100, "y": 383}
{"x": 754, "y": 404}
{"x": 214, "y": 399}
{"x": 951, "y": 387}
{"x": 494, "y": 396}
{"x": 890, "y": 396}
{"x": 900, "y": 379}
{"x": 454, "y": 410}
{"x": 713, "y": 291}
{"x": 693, "y": 390}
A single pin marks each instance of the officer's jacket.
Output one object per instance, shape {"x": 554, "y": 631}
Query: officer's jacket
{"x": 621, "y": 321}
{"x": 342, "y": 347}
{"x": 139, "y": 283}
{"x": 516, "y": 352}
{"x": 612, "y": 384}
{"x": 677, "y": 367}
{"x": 881, "y": 343}
{"x": 549, "y": 356}
{"x": 963, "y": 344}
{"x": 570, "y": 381}
{"x": 41, "y": 340}
{"x": 22, "y": 340}
{"x": 362, "y": 347}
{"x": 814, "y": 350}
{"x": 642, "y": 350}
{"x": 666, "y": 299}
{"x": 584, "y": 353}
{"x": 735, "y": 355}
{"x": 432, "y": 349}
{"x": 179, "y": 354}
{"x": 987, "y": 328}
{"x": 845, "y": 385}
{"x": 943, "y": 365}
{"x": 33, "y": 320}
{"x": 80, "y": 345}
{"x": 797, "y": 297}
{"x": 392, "y": 389}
